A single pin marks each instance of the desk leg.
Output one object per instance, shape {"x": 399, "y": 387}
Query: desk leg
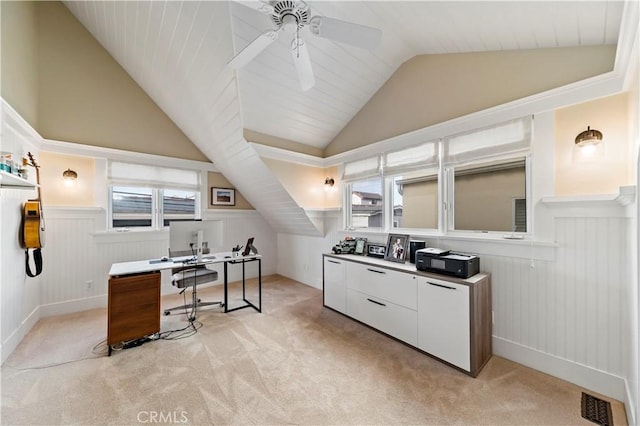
{"x": 244, "y": 296}
{"x": 226, "y": 285}
{"x": 259, "y": 285}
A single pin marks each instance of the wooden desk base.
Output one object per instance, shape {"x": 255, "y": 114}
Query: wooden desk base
{"x": 134, "y": 307}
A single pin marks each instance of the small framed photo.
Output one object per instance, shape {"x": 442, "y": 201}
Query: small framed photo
{"x": 397, "y": 248}
{"x": 223, "y": 196}
{"x": 360, "y": 245}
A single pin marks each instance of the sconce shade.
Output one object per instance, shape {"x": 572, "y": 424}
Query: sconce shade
{"x": 329, "y": 181}
{"x": 589, "y": 137}
{"x": 69, "y": 175}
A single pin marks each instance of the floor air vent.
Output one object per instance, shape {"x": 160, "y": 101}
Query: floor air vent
{"x": 596, "y": 410}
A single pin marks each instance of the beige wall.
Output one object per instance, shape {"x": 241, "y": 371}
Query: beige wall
{"x": 55, "y": 191}
{"x": 86, "y": 97}
{"x": 430, "y": 89}
{"x": 420, "y": 205}
{"x": 217, "y": 180}
{"x": 19, "y": 58}
{"x": 305, "y": 184}
{"x": 601, "y": 175}
{"x": 483, "y": 202}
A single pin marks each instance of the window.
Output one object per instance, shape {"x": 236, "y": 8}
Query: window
{"x": 144, "y": 196}
{"x": 366, "y": 204}
{"x": 415, "y": 200}
{"x": 490, "y": 197}
{"x": 178, "y": 205}
{"x": 131, "y": 207}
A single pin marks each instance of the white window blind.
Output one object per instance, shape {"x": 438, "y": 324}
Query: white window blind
{"x": 506, "y": 138}
{"x": 361, "y": 169}
{"x": 421, "y": 156}
{"x": 128, "y": 174}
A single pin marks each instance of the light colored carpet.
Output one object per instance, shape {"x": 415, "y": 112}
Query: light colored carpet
{"x": 295, "y": 363}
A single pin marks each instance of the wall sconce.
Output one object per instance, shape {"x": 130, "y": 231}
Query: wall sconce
{"x": 328, "y": 183}
{"x": 589, "y": 142}
{"x": 69, "y": 177}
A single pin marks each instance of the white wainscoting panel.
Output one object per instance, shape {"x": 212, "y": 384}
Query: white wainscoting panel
{"x": 300, "y": 257}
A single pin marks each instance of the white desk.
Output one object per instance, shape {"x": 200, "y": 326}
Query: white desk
{"x": 134, "y": 292}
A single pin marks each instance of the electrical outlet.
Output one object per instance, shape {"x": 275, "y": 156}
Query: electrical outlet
{"x": 89, "y": 284}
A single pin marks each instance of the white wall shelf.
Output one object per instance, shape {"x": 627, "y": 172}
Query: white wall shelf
{"x": 7, "y": 180}
{"x": 597, "y": 205}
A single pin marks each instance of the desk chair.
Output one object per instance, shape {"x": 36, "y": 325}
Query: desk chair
{"x": 191, "y": 276}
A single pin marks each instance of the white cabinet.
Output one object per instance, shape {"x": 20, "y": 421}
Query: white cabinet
{"x": 446, "y": 317}
{"x": 334, "y": 284}
{"x": 444, "y": 321}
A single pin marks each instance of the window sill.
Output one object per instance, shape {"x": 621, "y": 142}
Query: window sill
{"x": 493, "y": 244}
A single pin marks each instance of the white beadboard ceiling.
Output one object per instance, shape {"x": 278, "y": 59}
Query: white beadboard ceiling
{"x": 177, "y": 51}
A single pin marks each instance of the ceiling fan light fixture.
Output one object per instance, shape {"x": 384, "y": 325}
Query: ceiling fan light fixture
{"x": 290, "y": 23}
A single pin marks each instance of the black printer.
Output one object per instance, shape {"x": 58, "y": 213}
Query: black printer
{"x": 445, "y": 262}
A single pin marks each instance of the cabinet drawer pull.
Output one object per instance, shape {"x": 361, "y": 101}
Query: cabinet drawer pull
{"x": 377, "y": 272}
{"x": 376, "y": 302}
{"x": 443, "y": 286}
{"x": 334, "y": 261}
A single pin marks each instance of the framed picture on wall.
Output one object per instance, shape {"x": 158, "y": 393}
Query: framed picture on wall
{"x": 397, "y": 248}
{"x": 223, "y": 196}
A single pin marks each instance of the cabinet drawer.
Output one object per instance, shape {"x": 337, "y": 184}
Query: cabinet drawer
{"x": 396, "y": 287}
{"x": 397, "y": 321}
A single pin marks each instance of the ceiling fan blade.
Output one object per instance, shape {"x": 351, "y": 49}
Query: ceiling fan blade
{"x": 345, "y": 32}
{"x": 252, "y": 49}
{"x": 303, "y": 64}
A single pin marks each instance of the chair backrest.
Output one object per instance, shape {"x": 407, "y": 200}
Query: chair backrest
{"x": 179, "y": 253}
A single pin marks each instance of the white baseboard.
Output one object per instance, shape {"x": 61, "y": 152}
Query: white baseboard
{"x": 12, "y": 342}
{"x": 629, "y": 405}
{"x": 587, "y": 377}
{"x": 72, "y": 306}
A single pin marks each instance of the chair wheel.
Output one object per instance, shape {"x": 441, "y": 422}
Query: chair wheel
{"x": 166, "y": 313}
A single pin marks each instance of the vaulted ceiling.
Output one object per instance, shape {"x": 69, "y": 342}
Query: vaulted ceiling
{"x": 178, "y": 51}
{"x": 148, "y": 37}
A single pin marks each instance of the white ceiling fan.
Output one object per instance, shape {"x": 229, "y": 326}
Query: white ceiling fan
{"x": 292, "y": 16}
